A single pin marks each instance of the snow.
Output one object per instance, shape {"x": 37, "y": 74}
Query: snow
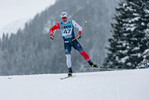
{"x": 135, "y": 19}
{"x": 124, "y": 4}
{"x": 146, "y": 10}
{"x": 147, "y": 32}
{"x": 146, "y": 51}
{"x": 135, "y": 48}
{"x": 130, "y": 27}
{"x": 109, "y": 85}
{"x": 123, "y": 60}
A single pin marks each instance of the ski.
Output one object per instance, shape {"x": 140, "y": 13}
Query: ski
{"x": 62, "y": 78}
{"x": 100, "y": 68}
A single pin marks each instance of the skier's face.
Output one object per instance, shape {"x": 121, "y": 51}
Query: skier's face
{"x": 64, "y": 19}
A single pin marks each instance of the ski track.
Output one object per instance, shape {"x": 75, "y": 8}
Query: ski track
{"x": 111, "y": 85}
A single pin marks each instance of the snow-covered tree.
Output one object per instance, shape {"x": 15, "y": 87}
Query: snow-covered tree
{"x": 129, "y": 38}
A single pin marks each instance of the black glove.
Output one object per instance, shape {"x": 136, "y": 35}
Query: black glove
{"x": 79, "y": 35}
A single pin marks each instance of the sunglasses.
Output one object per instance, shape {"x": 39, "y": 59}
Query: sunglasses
{"x": 64, "y": 17}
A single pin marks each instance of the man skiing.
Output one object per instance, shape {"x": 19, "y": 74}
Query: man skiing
{"x": 66, "y": 27}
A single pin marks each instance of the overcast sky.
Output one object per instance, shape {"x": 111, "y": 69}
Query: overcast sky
{"x": 12, "y": 10}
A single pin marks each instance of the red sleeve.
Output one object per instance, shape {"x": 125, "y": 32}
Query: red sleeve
{"x": 54, "y": 28}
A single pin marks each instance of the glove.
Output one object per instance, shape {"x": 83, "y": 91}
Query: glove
{"x": 79, "y": 35}
{"x": 52, "y": 36}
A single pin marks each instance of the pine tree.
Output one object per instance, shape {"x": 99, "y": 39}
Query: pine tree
{"x": 129, "y": 38}
{"x": 146, "y": 19}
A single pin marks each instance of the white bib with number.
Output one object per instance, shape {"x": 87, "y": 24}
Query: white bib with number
{"x": 67, "y": 32}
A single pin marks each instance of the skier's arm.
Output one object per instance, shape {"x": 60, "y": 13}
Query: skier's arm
{"x": 77, "y": 26}
{"x": 54, "y": 28}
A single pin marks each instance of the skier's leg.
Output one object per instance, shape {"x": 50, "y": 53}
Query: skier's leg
{"x": 86, "y": 57}
{"x": 79, "y": 48}
{"x": 68, "y": 60}
{"x": 67, "y": 47}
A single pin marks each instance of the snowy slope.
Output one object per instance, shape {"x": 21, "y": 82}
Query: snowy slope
{"x": 113, "y": 85}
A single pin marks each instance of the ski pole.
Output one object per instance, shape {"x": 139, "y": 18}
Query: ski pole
{"x": 79, "y": 35}
{"x": 84, "y": 25}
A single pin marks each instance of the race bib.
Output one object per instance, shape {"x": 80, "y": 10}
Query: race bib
{"x": 66, "y": 32}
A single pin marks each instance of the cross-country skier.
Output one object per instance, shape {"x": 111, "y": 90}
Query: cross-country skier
{"x": 66, "y": 27}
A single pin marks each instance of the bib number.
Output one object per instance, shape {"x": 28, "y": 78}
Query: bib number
{"x": 67, "y": 32}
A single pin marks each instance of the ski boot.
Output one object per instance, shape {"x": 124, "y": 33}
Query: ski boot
{"x": 92, "y": 64}
{"x": 69, "y": 72}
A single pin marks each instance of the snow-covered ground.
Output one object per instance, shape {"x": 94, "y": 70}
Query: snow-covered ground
{"x": 109, "y": 85}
